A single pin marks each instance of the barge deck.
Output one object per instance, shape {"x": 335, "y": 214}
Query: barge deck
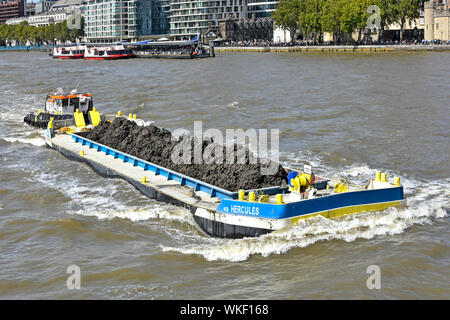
{"x": 227, "y": 214}
{"x": 157, "y": 186}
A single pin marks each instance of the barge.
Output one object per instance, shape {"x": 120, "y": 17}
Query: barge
{"x": 172, "y": 49}
{"x": 224, "y": 213}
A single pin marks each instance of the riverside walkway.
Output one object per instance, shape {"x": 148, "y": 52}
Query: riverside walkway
{"x": 341, "y": 48}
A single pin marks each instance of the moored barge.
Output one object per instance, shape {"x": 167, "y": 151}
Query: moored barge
{"x": 171, "y": 49}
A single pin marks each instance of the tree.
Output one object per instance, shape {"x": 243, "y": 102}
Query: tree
{"x": 50, "y": 34}
{"x": 23, "y": 32}
{"x": 354, "y": 16}
{"x": 309, "y": 18}
{"x": 40, "y": 37}
{"x": 403, "y": 10}
{"x": 331, "y": 18}
{"x": 287, "y": 14}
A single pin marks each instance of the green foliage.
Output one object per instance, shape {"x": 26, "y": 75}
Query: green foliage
{"x": 287, "y": 13}
{"x": 38, "y": 35}
{"x": 313, "y": 17}
{"x": 403, "y": 10}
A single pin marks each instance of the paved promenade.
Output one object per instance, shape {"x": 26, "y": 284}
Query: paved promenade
{"x": 369, "y": 48}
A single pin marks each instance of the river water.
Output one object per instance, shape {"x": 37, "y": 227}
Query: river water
{"x": 346, "y": 114}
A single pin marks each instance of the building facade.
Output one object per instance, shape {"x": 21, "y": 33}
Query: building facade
{"x": 67, "y": 5}
{"x": 260, "y": 29}
{"x": 437, "y": 20}
{"x": 261, "y": 9}
{"x": 109, "y": 21}
{"x": 30, "y": 9}
{"x": 44, "y": 5}
{"x": 60, "y": 11}
{"x": 11, "y": 9}
{"x": 44, "y": 18}
{"x": 160, "y": 17}
{"x": 190, "y": 18}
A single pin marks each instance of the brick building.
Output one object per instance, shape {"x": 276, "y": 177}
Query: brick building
{"x": 11, "y": 9}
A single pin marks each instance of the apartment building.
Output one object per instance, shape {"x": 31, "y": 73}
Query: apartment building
{"x": 261, "y": 9}
{"x": 119, "y": 20}
{"x": 189, "y": 18}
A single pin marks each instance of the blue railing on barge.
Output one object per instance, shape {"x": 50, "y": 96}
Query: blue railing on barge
{"x": 197, "y": 185}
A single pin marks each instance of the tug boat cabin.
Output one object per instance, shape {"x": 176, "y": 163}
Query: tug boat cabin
{"x": 61, "y": 106}
{"x": 61, "y": 103}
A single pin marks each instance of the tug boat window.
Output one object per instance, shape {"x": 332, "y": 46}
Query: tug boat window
{"x": 84, "y": 105}
{"x": 73, "y": 104}
{"x": 64, "y": 103}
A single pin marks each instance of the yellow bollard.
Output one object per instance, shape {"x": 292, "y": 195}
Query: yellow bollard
{"x": 144, "y": 180}
{"x": 378, "y": 175}
{"x": 383, "y": 177}
{"x": 77, "y": 111}
{"x": 130, "y": 116}
{"x": 119, "y": 113}
{"x": 251, "y": 196}
{"x": 279, "y": 198}
{"x": 39, "y": 111}
{"x": 397, "y": 181}
{"x": 241, "y": 195}
{"x": 82, "y": 153}
{"x": 134, "y": 116}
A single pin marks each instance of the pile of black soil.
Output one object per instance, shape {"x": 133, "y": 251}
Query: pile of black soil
{"x": 158, "y": 146}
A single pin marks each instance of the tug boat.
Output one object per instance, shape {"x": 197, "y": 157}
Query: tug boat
{"x": 223, "y": 213}
{"x": 68, "y": 52}
{"x": 60, "y": 106}
{"x": 113, "y": 52}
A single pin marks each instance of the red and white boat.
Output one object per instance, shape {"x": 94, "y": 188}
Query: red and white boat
{"x": 68, "y": 52}
{"x": 112, "y": 52}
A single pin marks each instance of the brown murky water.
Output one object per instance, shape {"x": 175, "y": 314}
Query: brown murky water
{"x": 348, "y": 114}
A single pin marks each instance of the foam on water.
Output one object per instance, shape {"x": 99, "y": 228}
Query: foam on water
{"x": 233, "y": 105}
{"x": 426, "y": 202}
{"x": 12, "y": 127}
{"x": 97, "y": 201}
{"x": 152, "y": 210}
